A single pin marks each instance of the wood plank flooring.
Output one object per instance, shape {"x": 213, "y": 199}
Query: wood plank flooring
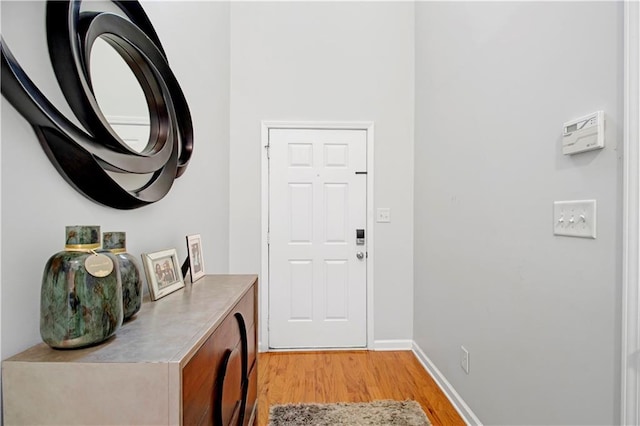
{"x": 349, "y": 376}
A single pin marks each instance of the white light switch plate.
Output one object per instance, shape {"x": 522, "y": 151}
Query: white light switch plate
{"x": 383, "y": 215}
{"x": 575, "y": 218}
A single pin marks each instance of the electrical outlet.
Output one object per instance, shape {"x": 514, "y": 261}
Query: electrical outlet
{"x": 464, "y": 359}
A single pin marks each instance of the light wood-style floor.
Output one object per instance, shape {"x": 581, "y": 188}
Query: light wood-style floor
{"x": 349, "y": 376}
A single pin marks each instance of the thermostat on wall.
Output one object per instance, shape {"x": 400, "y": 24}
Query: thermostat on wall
{"x": 583, "y": 134}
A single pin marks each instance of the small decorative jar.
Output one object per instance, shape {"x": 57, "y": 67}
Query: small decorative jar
{"x": 81, "y": 295}
{"x": 130, "y": 276}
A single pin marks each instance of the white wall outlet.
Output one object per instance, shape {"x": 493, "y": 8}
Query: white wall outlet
{"x": 464, "y": 359}
{"x": 575, "y": 218}
{"x": 383, "y": 215}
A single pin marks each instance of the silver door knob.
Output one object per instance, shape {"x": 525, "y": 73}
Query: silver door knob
{"x": 360, "y": 255}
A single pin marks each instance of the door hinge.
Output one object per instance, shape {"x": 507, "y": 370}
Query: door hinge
{"x": 268, "y": 238}
{"x": 267, "y": 148}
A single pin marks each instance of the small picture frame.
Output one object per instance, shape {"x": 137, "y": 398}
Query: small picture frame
{"x": 163, "y": 273}
{"x": 196, "y": 260}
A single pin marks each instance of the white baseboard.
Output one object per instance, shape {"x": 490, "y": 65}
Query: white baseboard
{"x": 264, "y": 348}
{"x": 458, "y": 403}
{"x": 378, "y": 345}
{"x": 392, "y": 345}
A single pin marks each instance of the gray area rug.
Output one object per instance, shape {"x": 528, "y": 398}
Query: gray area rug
{"x": 383, "y": 413}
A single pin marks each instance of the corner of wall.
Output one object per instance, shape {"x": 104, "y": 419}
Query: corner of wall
{"x": 447, "y": 388}
{"x": 392, "y": 345}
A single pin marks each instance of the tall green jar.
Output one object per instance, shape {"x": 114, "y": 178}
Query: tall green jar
{"x": 116, "y": 243}
{"x": 81, "y": 295}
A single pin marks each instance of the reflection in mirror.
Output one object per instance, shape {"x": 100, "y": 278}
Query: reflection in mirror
{"x": 130, "y": 181}
{"x": 119, "y": 95}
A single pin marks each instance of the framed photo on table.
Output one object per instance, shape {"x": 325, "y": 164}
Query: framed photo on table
{"x": 196, "y": 261}
{"x": 163, "y": 273}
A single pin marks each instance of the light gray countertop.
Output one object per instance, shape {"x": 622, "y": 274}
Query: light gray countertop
{"x": 168, "y": 330}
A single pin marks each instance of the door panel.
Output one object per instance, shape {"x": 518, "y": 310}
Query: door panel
{"x": 317, "y": 285}
{"x": 301, "y": 196}
{"x": 336, "y": 212}
{"x": 336, "y": 284}
{"x": 301, "y": 290}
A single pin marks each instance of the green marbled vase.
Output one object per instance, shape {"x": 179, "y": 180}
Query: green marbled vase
{"x": 78, "y": 309}
{"x": 116, "y": 243}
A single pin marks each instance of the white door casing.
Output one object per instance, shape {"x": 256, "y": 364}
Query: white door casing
{"x": 630, "y": 371}
{"x": 317, "y": 201}
{"x": 265, "y": 279}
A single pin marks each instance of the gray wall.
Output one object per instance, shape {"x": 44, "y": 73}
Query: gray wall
{"x": 329, "y": 61}
{"x": 37, "y": 203}
{"x": 493, "y": 84}
{"x": 540, "y": 315}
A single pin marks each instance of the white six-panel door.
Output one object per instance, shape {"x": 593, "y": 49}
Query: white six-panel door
{"x": 317, "y": 273}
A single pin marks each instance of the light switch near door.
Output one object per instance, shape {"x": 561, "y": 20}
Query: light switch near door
{"x": 383, "y": 215}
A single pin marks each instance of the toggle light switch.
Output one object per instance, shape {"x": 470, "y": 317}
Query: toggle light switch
{"x": 575, "y": 218}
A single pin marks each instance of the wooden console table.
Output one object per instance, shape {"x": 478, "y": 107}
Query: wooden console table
{"x": 188, "y": 358}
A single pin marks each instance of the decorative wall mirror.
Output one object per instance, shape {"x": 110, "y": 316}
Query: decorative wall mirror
{"x": 94, "y": 158}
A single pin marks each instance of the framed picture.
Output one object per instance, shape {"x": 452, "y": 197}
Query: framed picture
{"x": 196, "y": 261}
{"x": 163, "y": 273}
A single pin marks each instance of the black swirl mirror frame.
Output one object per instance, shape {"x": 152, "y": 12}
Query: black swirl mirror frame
{"x": 83, "y": 156}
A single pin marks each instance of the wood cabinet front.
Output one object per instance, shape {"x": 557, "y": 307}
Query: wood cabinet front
{"x": 217, "y": 380}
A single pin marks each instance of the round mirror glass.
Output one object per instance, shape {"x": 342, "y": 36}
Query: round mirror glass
{"x": 119, "y": 95}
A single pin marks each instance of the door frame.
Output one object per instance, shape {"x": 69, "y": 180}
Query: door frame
{"x": 368, "y": 126}
{"x": 630, "y": 353}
